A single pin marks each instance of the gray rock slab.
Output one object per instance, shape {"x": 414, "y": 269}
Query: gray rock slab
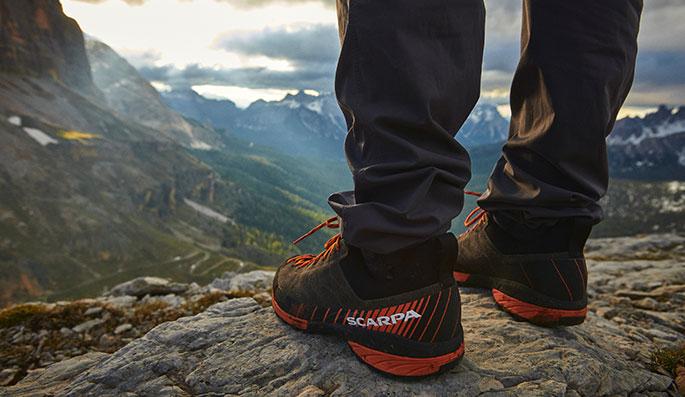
{"x": 245, "y": 283}
{"x": 239, "y": 348}
{"x": 142, "y": 286}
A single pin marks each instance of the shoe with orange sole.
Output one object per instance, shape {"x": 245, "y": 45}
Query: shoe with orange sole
{"x": 546, "y": 288}
{"x": 388, "y": 324}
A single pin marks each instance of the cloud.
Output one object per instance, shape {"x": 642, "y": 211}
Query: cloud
{"x": 316, "y": 78}
{"x": 236, "y": 3}
{"x": 312, "y": 51}
{"x": 129, "y": 2}
{"x": 140, "y": 58}
{"x": 262, "y": 3}
{"x": 308, "y": 44}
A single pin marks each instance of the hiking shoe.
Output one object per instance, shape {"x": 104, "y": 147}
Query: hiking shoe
{"x": 399, "y": 313}
{"x": 536, "y": 275}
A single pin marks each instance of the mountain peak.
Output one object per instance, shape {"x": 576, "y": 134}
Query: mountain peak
{"x": 299, "y": 96}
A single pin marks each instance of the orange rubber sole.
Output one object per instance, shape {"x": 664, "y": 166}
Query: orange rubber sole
{"x": 535, "y": 314}
{"x": 296, "y": 322}
{"x": 461, "y": 277}
{"x": 538, "y": 314}
{"x": 404, "y": 366}
{"x": 384, "y": 362}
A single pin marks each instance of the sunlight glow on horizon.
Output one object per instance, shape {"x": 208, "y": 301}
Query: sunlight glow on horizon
{"x": 242, "y": 96}
{"x": 184, "y": 33}
{"x": 180, "y": 33}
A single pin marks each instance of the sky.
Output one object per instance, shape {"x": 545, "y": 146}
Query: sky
{"x": 246, "y": 50}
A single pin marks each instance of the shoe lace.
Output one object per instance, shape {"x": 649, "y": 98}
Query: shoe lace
{"x": 330, "y": 246}
{"x": 476, "y": 216}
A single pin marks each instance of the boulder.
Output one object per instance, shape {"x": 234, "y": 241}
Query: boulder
{"x": 237, "y": 347}
{"x": 142, "y": 286}
{"x": 245, "y": 283}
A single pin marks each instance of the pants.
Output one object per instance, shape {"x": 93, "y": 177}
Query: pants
{"x": 409, "y": 75}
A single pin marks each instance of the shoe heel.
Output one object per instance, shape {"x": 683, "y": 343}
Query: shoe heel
{"x": 536, "y": 314}
{"x": 406, "y": 366}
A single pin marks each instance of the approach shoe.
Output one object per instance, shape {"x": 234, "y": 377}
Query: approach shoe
{"x": 535, "y": 275}
{"x": 399, "y": 313}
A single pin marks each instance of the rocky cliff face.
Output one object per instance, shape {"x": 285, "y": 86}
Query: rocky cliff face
{"x": 38, "y": 40}
{"x": 133, "y": 98}
{"x": 651, "y": 147}
{"x": 237, "y": 347}
{"x": 97, "y": 185}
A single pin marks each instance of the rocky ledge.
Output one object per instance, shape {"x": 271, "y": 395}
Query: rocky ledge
{"x": 631, "y": 344}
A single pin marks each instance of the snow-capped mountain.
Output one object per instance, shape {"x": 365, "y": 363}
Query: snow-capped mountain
{"x": 215, "y": 112}
{"x": 300, "y": 125}
{"x": 649, "y": 147}
{"x": 484, "y": 126}
{"x": 660, "y": 124}
{"x": 308, "y": 125}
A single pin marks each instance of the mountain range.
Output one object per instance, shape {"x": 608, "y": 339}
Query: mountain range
{"x": 651, "y": 147}
{"x": 646, "y": 154}
{"x": 309, "y": 125}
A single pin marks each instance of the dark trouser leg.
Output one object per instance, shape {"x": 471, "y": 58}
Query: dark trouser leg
{"x": 576, "y": 68}
{"x": 407, "y": 78}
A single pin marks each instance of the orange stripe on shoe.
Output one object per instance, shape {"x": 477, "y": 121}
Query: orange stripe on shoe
{"x": 447, "y": 305}
{"x": 395, "y": 328}
{"x": 582, "y": 277}
{"x": 404, "y": 324}
{"x": 404, "y": 366}
{"x": 313, "y": 314}
{"x": 374, "y": 315}
{"x": 435, "y": 307}
{"x": 381, "y": 313}
{"x": 525, "y": 274}
{"x": 389, "y": 313}
{"x": 336, "y": 316}
{"x": 461, "y": 277}
{"x": 532, "y": 312}
{"x": 354, "y": 315}
{"x": 411, "y": 322}
{"x": 325, "y": 315}
{"x": 418, "y": 320}
{"x": 287, "y": 317}
{"x": 370, "y": 314}
{"x": 570, "y": 295}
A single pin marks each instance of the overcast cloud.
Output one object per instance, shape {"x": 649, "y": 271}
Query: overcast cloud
{"x": 309, "y": 53}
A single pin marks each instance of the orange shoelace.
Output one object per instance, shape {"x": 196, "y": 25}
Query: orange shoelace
{"x": 330, "y": 246}
{"x": 477, "y": 215}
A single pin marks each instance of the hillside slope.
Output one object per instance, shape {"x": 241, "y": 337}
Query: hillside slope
{"x": 93, "y": 193}
{"x": 132, "y": 97}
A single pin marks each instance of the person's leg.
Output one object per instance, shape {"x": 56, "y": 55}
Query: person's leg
{"x": 409, "y": 74}
{"x": 576, "y": 68}
{"x": 407, "y": 79}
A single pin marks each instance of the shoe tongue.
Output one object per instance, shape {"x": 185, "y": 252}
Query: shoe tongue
{"x": 373, "y": 275}
{"x": 516, "y": 233}
{"x": 376, "y": 266}
{"x": 426, "y": 263}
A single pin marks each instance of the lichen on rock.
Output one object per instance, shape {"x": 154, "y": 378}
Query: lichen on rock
{"x": 237, "y": 347}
